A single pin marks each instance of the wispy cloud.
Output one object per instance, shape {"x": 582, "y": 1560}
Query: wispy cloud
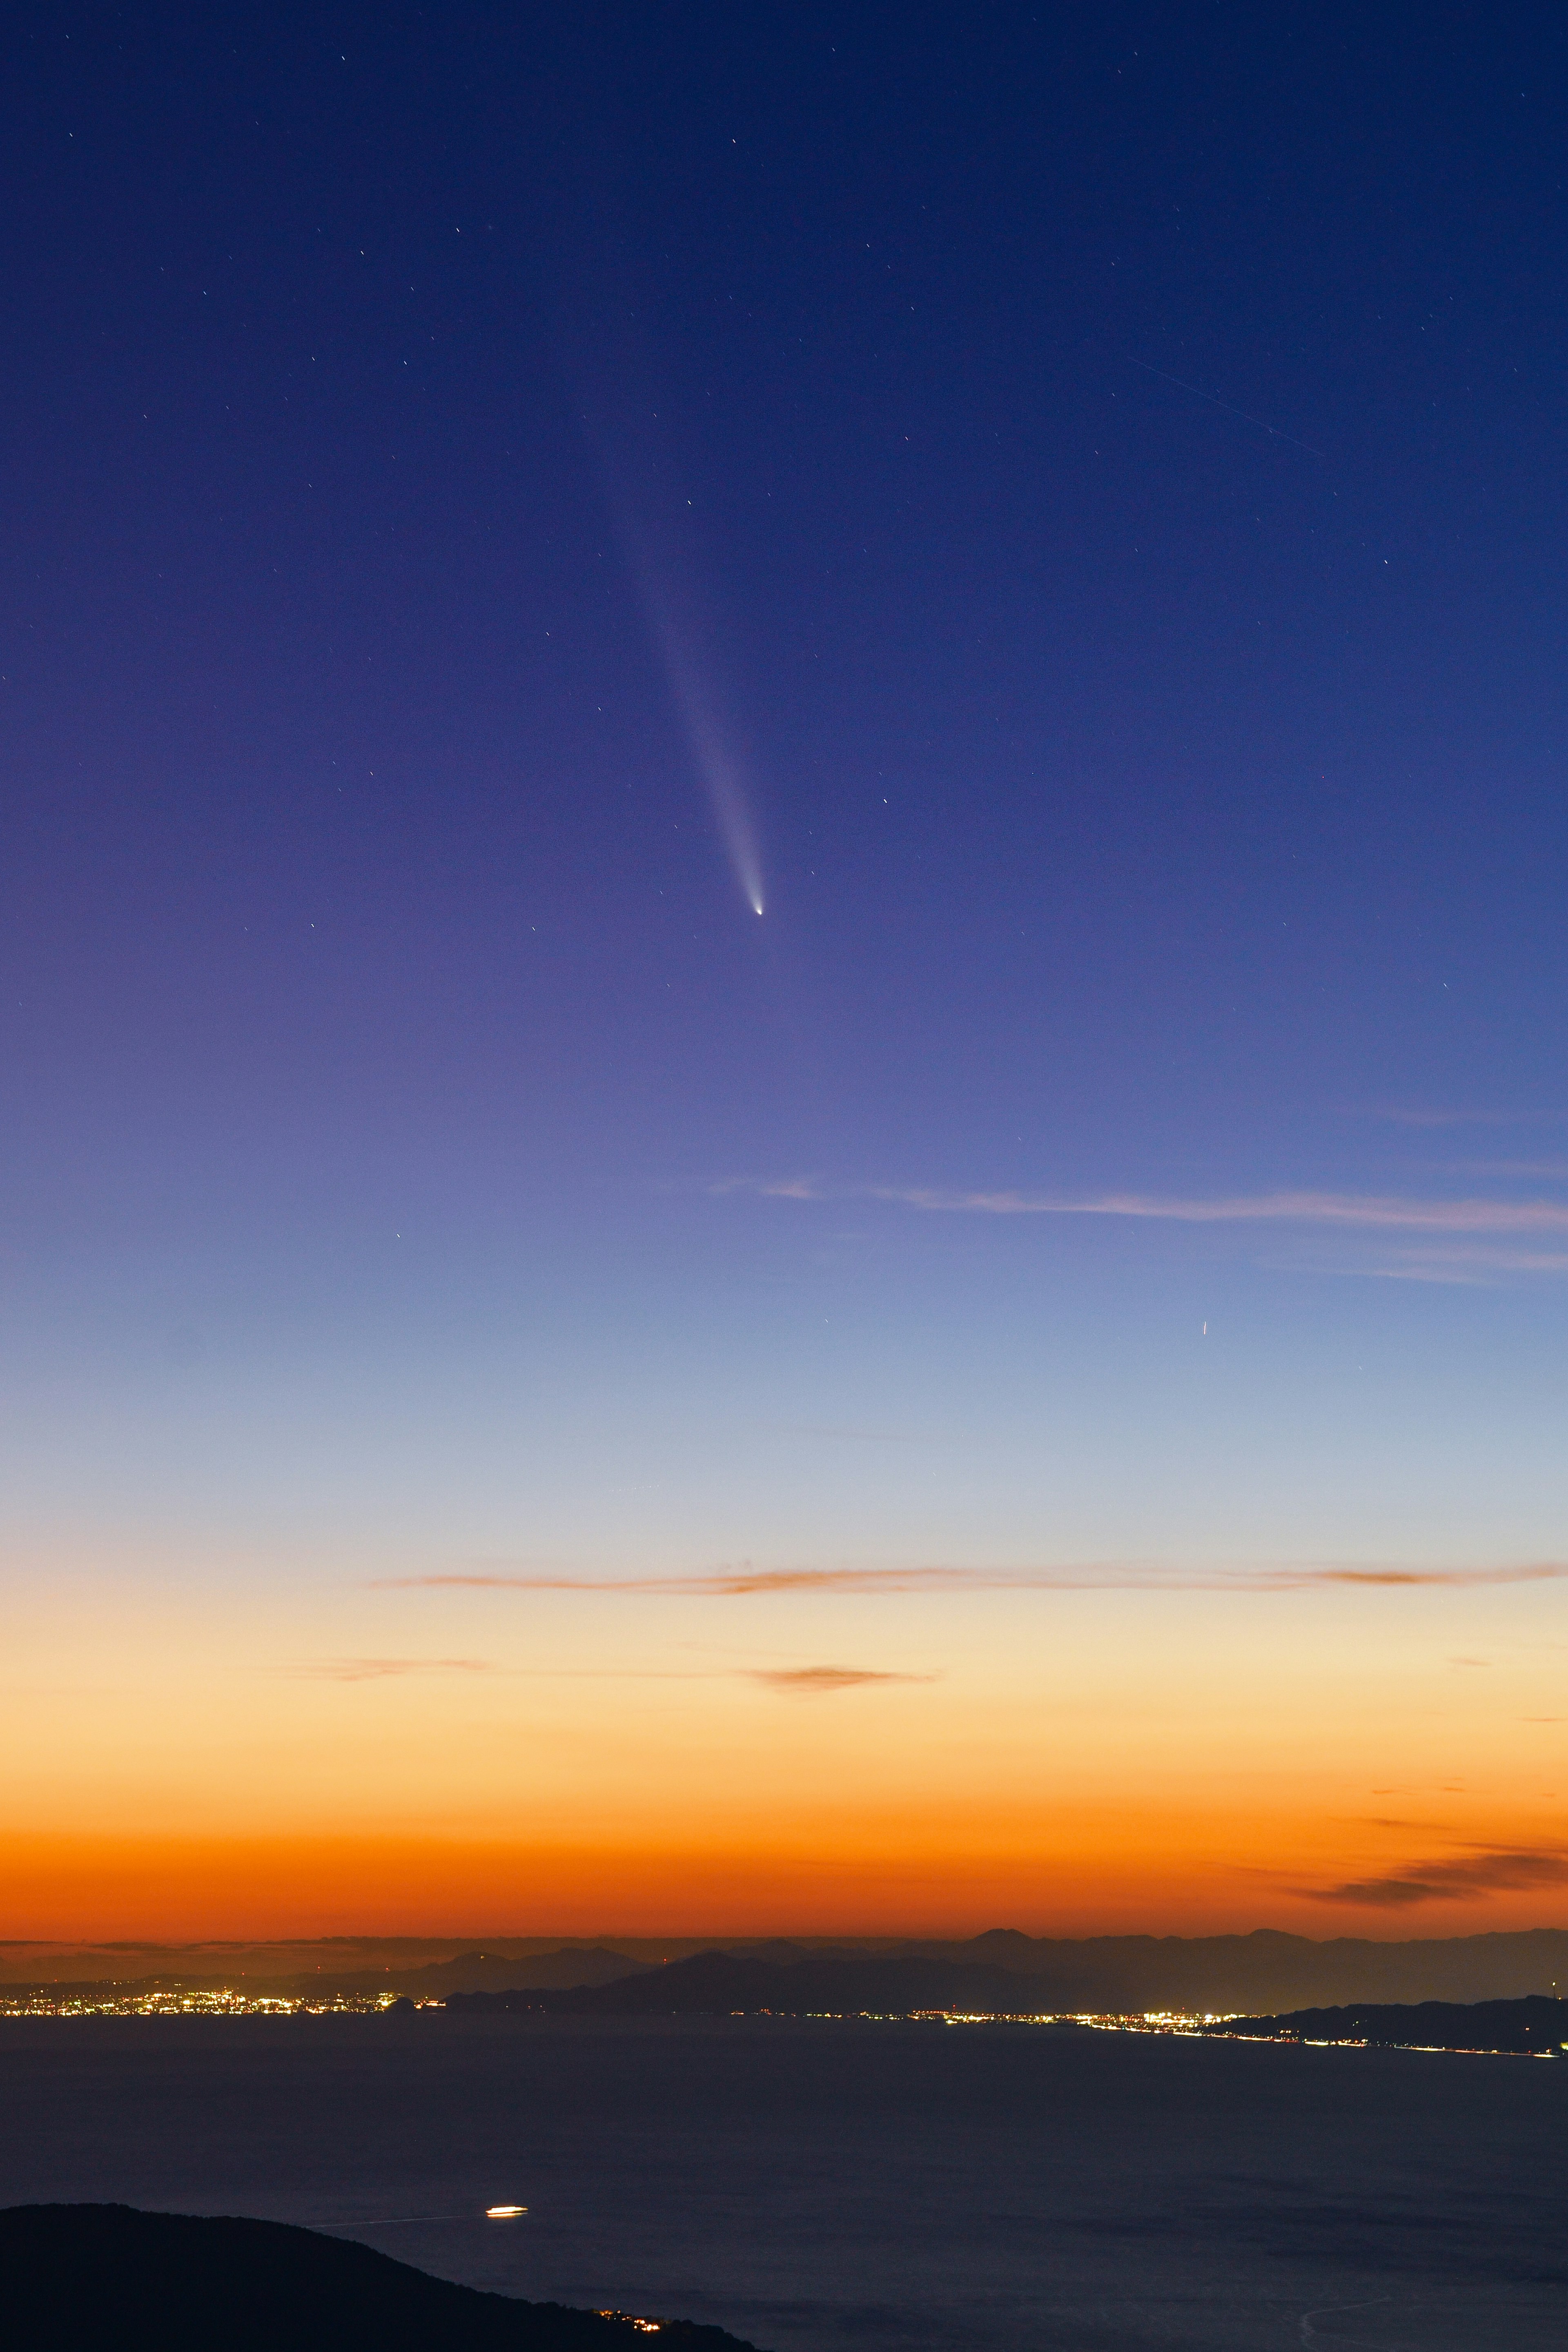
{"x": 1466, "y": 1266}
{"x": 1354, "y": 1211}
{"x": 1369, "y": 1211}
{"x": 841, "y": 1432}
{"x": 729, "y": 1582}
{"x": 1094, "y": 1576}
{"x": 1498, "y": 1871}
{"x": 1295, "y": 1580}
{"x": 793, "y": 1681}
{"x": 1552, "y": 1172}
{"x": 1432, "y": 1115}
{"x": 810, "y": 1682}
{"x": 376, "y": 1670}
{"x": 786, "y": 1188}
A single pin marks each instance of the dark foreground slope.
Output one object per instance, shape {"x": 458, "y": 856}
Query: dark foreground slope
{"x": 102, "y": 2276}
{"x": 1537, "y": 2027}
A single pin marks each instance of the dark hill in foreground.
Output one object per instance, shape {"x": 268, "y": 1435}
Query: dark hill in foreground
{"x": 723, "y": 1984}
{"x": 79, "y": 2277}
{"x": 1537, "y": 2025}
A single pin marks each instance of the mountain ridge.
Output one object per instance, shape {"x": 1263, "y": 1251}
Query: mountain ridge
{"x": 1534, "y": 2027}
{"x": 1261, "y": 1971}
{"x": 1198, "y": 1981}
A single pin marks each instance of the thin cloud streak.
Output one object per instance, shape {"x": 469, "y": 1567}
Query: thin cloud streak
{"x": 370, "y": 1670}
{"x": 1414, "y": 1115}
{"x": 1554, "y": 1171}
{"x": 1368, "y": 1212}
{"x": 1360, "y": 1211}
{"x": 840, "y": 1433}
{"x": 1469, "y": 1268}
{"x": 811, "y": 1682}
{"x": 793, "y": 1681}
{"x": 731, "y": 1583}
{"x": 377, "y": 1670}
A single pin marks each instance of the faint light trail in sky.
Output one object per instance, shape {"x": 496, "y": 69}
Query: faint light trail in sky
{"x": 717, "y": 760}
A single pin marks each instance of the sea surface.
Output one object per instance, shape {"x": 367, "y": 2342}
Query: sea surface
{"x": 1013, "y": 2189}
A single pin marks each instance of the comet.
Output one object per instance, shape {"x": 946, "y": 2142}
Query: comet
{"x": 621, "y": 412}
{"x": 713, "y": 750}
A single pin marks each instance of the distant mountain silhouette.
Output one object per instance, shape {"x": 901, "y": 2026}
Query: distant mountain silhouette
{"x": 1005, "y": 1972}
{"x": 722, "y": 1983}
{"x": 1272, "y": 1971}
{"x": 1264, "y": 1973}
{"x": 116, "y": 2280}
{"x": 480, "y": 1971}
{"x": 1537, "y": 2026}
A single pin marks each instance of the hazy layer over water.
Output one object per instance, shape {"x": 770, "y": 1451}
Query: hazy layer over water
{"x": 1013, "y": 2187}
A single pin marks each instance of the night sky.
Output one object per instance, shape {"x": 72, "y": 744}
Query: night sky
{"x": 1052, "y": 1328}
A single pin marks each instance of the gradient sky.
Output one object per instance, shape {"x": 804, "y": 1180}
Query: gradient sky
{"x": 1024, "y": 1383}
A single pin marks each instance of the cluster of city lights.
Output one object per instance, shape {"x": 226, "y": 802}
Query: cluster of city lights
{"x": 220, "y": 2001}
{"x": 1149, "y": 2021}
{"x": 235, "y": 2001}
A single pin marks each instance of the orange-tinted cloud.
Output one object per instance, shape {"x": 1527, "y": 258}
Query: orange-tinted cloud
{"x": 1442, "y": 1882}
{"x": 374, "y": 1670}
{"x": 1092, "y": 1577}
{"x": 806, "y": 1682}
{"x": 1540, "y": 1571}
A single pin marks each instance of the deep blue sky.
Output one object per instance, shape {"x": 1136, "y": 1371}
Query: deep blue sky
{"x": 1101, "y": 471}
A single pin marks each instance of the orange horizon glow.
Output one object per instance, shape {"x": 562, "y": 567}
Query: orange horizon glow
{"x": 87, "y": 1892}
{"x": 1332, "y": 1762}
